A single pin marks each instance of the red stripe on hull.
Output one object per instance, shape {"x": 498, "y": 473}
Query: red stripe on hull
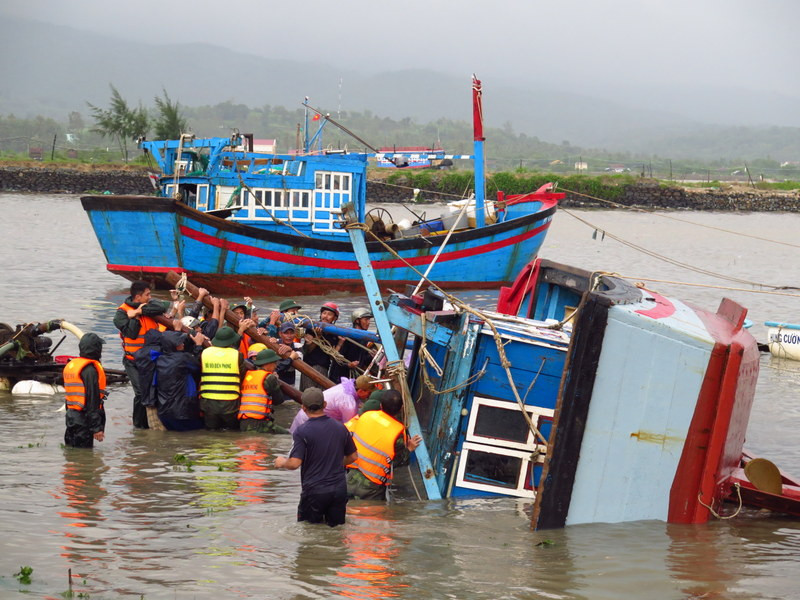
{"x": 352, "y": 265}
{"x": 663, "y": 308}
{"x": 262, "y": 285}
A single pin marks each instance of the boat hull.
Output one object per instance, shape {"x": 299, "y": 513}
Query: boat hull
{"x": 784, "y": 340}
{"x": 146, "y": 237}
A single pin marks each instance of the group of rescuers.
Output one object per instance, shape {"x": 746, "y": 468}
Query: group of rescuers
{"x": 346, "y": 439}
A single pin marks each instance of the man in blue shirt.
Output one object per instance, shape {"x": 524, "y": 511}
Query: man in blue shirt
{"x": 322, "y": 447}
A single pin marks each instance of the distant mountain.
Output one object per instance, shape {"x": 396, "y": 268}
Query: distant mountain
{"x": 57, "y": 69}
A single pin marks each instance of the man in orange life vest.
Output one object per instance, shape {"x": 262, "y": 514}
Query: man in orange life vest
{"x": 260, "y": 391}
{"x": 85, "y": 383}
{"x": 134, "y": 318}
{"x": 381, "y": 443}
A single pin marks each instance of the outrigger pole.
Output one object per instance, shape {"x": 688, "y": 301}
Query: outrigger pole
{"x": 480, "y": 167}
{"x": 389, "y": 346}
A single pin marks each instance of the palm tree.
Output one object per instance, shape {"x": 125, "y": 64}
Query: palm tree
{"x": 170, "y": 124}
{"x": 120, "y": 122}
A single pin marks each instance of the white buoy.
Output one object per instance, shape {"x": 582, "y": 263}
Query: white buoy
{"x": 36, "y": 388}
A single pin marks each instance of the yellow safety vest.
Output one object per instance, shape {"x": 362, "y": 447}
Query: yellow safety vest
{"x": 73, "y": 384}
{"x": 220, "y": 375}
{"x": 256, "y": 403}
{"x": 375, "y": 434}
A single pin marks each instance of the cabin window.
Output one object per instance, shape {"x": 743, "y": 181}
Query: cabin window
{"x": 498, "y": 470}
{"x": 202, "y": 197}
{"x": 332, "y": 190}
{"x": 501, "y": 423}
{"x": 501, "y": 454}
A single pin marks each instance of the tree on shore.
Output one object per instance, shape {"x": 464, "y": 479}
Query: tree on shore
{"x": 170, "y": 123}
{"x": 119, "y": 121}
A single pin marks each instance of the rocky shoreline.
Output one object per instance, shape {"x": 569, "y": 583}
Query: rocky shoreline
{"x": 94, "y": 179}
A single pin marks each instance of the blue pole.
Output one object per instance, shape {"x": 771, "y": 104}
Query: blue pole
{"x": 480, "y": 184}
{"x": 389, "y": 348}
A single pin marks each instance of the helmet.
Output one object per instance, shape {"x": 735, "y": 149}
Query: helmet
{"x": 254, "y": 349}
{"x": 331, "y": 307}
{"x": 361, "y": 313}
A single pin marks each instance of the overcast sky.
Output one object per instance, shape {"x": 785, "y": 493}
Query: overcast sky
{"x": 753, "y": 45}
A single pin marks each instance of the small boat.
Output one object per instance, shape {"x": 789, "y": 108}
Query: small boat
{"x": 599, "y": 400}
{"x": 783, "y": 339}
{"x": 28, "y": 364}
{"x": 248, "y": 221}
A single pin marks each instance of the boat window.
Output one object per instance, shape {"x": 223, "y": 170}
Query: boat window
{"x": 327, "y": 184}
{"x": 498, "y": 470}
{"x": 318, "y": 181}
{"x": 260, "y": 195}
{"x": 278, "y": 199}
{"x": 492, "y": 469}
{"x": 501, "y": 423}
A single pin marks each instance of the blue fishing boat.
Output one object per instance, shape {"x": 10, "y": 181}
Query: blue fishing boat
{"x": 599, "y": 400}
{"x": 235, "y": 217}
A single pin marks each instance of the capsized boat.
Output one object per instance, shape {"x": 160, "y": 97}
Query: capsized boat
{"x": 600, "y": 400}
{"x": 250, "y": 221}
{"x": 783, "y": 339}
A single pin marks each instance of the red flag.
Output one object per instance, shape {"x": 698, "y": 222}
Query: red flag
{"x": 316, "y": 117}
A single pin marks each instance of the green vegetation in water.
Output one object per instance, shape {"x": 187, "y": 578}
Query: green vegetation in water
{"x": 24, "y": 575}
{"x": 181, "y": 461}
{"x": 546, "y": 543}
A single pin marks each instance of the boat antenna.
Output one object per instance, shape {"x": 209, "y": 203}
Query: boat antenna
{"x": 305, "y": 127}
{"x": 328, "y": 118}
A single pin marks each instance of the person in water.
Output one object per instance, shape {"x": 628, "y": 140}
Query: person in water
{"x": 260, "y": 391}
{"x": 382, "y": 443}
{"x": 322, "y": 449}
{"x": 85, "y": 391}
{"x": 134, "y": 318}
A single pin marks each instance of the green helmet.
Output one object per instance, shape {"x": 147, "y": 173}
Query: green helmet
{"x": 361, "y": 313}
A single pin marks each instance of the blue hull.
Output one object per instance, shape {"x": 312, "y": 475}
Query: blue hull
{"x": 145, "y": 237}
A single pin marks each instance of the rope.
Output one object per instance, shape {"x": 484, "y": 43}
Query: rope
{"x": 327, "y": 347}
{"x": 425, "y": 357}
{"x": 666, "y": 259}
{"x": 657, "y": 214}
{"x": 181, "y": 285}
{"x": 715, "y": 513}
{"x": 714, "y": 287}
{"x": 408, "y": 187}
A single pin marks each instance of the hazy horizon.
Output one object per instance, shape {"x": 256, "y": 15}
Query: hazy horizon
{"x": 609, "y": 49}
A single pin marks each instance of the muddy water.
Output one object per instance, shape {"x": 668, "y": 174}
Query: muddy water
{"x": 203, "y": 515}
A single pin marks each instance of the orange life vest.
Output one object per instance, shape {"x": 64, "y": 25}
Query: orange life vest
{"x": 73, "y": 384}
{"x": 131, "y": 345}
{"x": 255, "y": 403}
{"x": 375, "y": 434}
{"x": 244, "y": 344}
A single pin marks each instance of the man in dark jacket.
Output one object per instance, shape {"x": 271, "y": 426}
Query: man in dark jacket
{"x": 176, "y": 384}
{"x": 84, "y": 382}
{"x": 144, "y": 360}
